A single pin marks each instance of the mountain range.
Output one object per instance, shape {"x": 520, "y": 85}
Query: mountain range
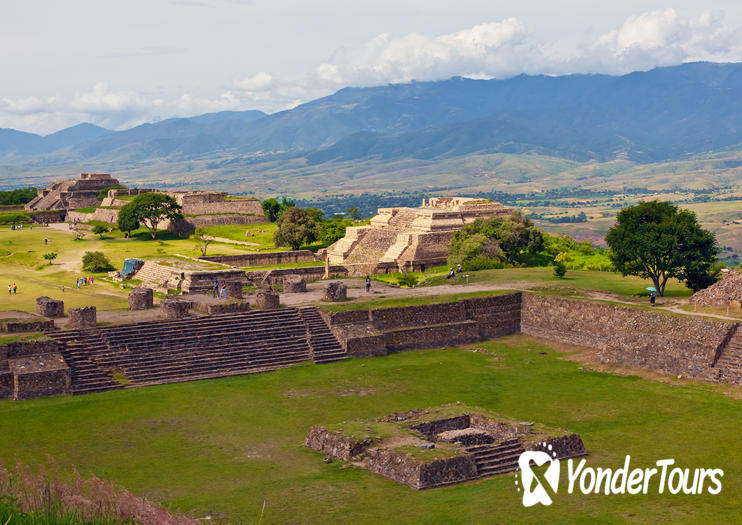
{"x": 664, "y": 114}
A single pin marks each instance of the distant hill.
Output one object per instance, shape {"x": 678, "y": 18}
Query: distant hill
{"x": 660, "y": 115}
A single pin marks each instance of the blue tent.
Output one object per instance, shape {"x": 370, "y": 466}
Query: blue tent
{"x": 129, "y": 265}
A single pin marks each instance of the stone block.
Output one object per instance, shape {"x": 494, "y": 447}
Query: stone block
{"x": 173, "y": 308}
{"x": 294, "y": 284}
{"x": 141, "y": 299}
{"x": 40, "y": 376}
{"x": 49, "y": 307}
{"x": 266, "y": 299}
{"x": 336, "y": 291}
{"x": 84, "y": 317}
{"x": 234, "y": 290}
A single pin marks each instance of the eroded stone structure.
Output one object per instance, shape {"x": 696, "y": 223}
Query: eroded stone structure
{"x": 336, "y": 291}
{"x": 141, "y": 299}
{"x": 49, "y": 307}
{"x": 468, "y": 446}
{"x": 84, "y": 317}
{"x": 175, "y": 308}
{"x": 266, "y": 299}
{"x": 726, "y": 293}
{"x": 294, "y": 284}
{"x": 71, "y": 194}
{"x": 410, "y": 238}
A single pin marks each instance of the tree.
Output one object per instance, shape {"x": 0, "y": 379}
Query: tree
{"x": 332, "y": 230}
{"x": 99, "y": 230}
{"x": 202, "y": 239}
{"x": 488, "y": 243}
{"x": 316, "y": 214}
{"x": 50, "y": 257}
{"x": 295, "y": 228}
{"x": 656, "y": 240}
{"x": 128, "y": 220}
{"x": 271, "y": 207}
{"x": 96, "y": 262}
{"x": 150, "y": 209}
{"x": 354, "y": 213}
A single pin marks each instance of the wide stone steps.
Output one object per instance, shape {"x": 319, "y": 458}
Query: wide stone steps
{"x": 729, "y": 364}
{"x": 196, "y": 348}
{"x": 496, "y": 459}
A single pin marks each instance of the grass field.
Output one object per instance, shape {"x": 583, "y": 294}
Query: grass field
{"x": 223, "y": 447}
{"x": 22, "y": 262}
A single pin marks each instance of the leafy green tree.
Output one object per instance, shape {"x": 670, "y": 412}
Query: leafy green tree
{"x": 295, "y": 228}
{"x": 560, "y": 269}
{"x": 316, "y": 214}
{"x": 96, "y": 262}
{"x": 271, "y": 207}
{"x": 202, "y": 239}
{"x": 150, "y": 209}
{"x": 99, "y": 230}
{"x": 489, "y": 243}
{"x": 128, "y": 220}
{"x": 354, "y": 213}
{"x": 50, "y": 257}
{"x": 656, "y": 240}
{"x": 17, "y": 196}
{"x": 332, "y": 231}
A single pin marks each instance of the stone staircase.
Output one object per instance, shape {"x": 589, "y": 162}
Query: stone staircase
{"x": 372, "y": 246}
{"x": 729, "y": 364}
{"x": 324, "y": 346}
{"x": 195, "y": 348}
{"x": 494, "y": 459}
{"x": 403, "y": 219}
{"x": 153, "y": 274}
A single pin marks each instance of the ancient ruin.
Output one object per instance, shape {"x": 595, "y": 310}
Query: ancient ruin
{"x": 266, "y": 299}
{"x": 33, "y": 369}
{"x": 84, "y": 317}
{"x": 141, "y": 299}
{"x": 175, "y": 308}
{"x": 294, "y": 284}
{"x": 439, "y": 446}
{"x": 336, "y": 291}
{"x": 726, "y": 293}
{"x": 49, "y": 307}
{"x": 409, "y": 239}
{"x": 71, "y": 194}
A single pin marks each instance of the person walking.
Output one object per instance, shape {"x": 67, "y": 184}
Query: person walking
{"x": 15, "y": 289}
{"x": 10, "y": 290}
{"x": 652, "y": 297}
{"x": 368, "y": 284}
{"x": 215, "y": 289}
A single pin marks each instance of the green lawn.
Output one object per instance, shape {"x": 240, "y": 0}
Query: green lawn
{"x": 224, "y": 447}
{"x": 381, "y": 301}
{"x": 22, "y": 262}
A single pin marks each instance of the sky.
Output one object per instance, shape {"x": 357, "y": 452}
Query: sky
{"x": 120, "y": 64}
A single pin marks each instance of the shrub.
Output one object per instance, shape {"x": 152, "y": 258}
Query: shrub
{"x": 96, "y": 262}
{"x": 99, "y": 230}
{"x": 408, "y": 280}
{"x": 50, "y": 256}
{"x": 559, "y": 269}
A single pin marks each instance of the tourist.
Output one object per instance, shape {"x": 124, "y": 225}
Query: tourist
{"x": 91, "y": 279}
{"x": 652, "y": 297}
{"x": 458, "y": 268}
{"x": 368, "y": 284}
{"x": 215, "y": 290}
{"x": 46, "y": 241}
{"x": 15, "y": 288}
{"x": 451, "y": 273}
{"x": 223, "y": 290}
{"x": 62, "y": 288}
{"x": 10, "y": 290}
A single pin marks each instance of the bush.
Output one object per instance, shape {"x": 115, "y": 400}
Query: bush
{"x": 14, "y": 217}
{"x": 408, "y": 280}
{"x": 99, "y": 230}
{"x": 559, "y": 269}
{"x": 96, "y": 262}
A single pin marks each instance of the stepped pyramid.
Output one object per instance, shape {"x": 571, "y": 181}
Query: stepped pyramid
{"x": 410, "y": 238}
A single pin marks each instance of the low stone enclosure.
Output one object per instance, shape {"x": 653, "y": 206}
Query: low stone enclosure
{"x": 33, "y": 369}
{"x": 439, "y": 446}
{"x": 673, "y": 344}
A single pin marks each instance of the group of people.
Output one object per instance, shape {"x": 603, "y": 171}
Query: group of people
{"x": 219, "y": 289}
{"x": 451, "y": 273}
{"x": 80, "y": 281}
{"x": 20, "y": 226}
{"x": 12, "y": 289}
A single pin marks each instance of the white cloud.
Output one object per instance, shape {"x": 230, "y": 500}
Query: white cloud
{"x": 661, "y": 38}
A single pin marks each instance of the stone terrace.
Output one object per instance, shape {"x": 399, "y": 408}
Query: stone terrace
{"x": 196, "y": 348}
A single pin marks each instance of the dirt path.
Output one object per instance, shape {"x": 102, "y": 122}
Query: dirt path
{"x": 230, "y": 241}
{"x": 672, "y": 307}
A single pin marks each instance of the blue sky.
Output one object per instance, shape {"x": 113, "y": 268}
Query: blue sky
{"x": 119, "y": 64}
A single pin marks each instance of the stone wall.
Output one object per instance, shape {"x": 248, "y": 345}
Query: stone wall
{"x": 227, "y": 308}
{"x": 431, "y": 428}
{"x": 26, "y": 325}
{"x": 416, "y": 474}
{"x": 335, "y": 444}
{"x": 173, "y": 308}
{"x": 141, "y": 299}
{"x": 263, "y": 259}
{"x": 33, "y": 369}
{"x": 657, "y": 341}
{"x": 366, "y": 333}
{"x": 499, "y": 430}
{"x": 567, "y": 446}
{"x": 310, "y": 273}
